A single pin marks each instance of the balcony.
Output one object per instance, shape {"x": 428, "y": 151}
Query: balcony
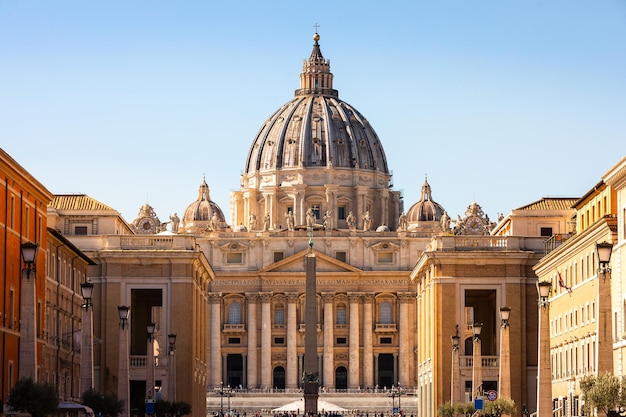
{"x": 385, "y": 328}
{"x": 234, "y": 328}
{"x": 302, "y": 328}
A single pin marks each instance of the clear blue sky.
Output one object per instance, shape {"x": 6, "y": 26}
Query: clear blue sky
{"x": 498, "y": 102}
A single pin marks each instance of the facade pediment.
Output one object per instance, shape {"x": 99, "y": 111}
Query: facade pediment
{"x": 296, "y": 263}
{"x": 386, "y": 246}
{"x": 234, "y": 247}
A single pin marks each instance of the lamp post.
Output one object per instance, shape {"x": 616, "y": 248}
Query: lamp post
{"x": 221, "y": 399}
{"x": 123, "y": 384}
{"x": 504, "y": 384}
{"x": 28, "y": 341}
{"x": 454, "y": 378}
{"x": 86, "y": 355}
{"x": 477, "y": 370}
{"x": 150, "y": 397}
{"x": 604, "y": 251}
{"x": 393, "y": 395}
{"x": 171, "y": 338}
{"x": 228, "y": 394}
{"x": 544, "y": 383}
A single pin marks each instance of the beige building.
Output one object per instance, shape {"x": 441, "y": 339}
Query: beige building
{"x": 164, "y": 280}
{"x": 581, "y": 332}
{"x": 464, "y": 280}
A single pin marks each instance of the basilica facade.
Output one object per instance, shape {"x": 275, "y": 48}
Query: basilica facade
{"x": 393, "y": 285}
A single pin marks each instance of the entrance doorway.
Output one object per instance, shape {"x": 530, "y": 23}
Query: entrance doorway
{"x": 234, "y": 370}
{"x": 385, "y": 370}
{"x": 279, "y": 377}
{"x": 341, "y": 378}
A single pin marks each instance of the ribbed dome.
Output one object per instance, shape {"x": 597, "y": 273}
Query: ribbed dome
{"x": 316, "y": 152}
{"x": 425, "y": 210}
{"x": 199, "y": 214}
{"x": 316, "y": 129}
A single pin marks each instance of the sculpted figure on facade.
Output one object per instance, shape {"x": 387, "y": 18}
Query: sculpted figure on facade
{"x": 290, "y": 220}
{"x": 214, "y": 222}
{"x": 328, "y": 220}
{"x": 310, "y": 217}
{"x": 445, "y": 222}
{"x": 252, "y": 222}
{"x": 351, "y": 221}
{"x": 266, "y": 222}
{"x": 402, "y": 222}
{"x": 367, "y": 221}
{"x": 175, "y": 223}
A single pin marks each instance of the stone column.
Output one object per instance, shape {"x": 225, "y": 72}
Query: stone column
{"x": 266, "y": 340}
{"x": 86, "y": 356}
{"x": 544, "y": 378}
{"x": 292, "y": 341}
{"x": 404, "y": 337}
{"x": 27, "y": 367}
{"x": 252, "y": 362}
{"x": 123, "y": 382}
{"x": 215, "y": 299}
{"x": 328, "y": 361}
{"x": 368, "y": 343}
{"x": 354, "y": 356}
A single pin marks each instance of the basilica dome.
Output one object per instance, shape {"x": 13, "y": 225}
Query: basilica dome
{"x": 426, "y": 212}
{"x": 203, "y": 214}
{"x": 316, "y": 151}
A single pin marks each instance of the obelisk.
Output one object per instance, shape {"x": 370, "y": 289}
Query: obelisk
{"x": 310, "y": 378}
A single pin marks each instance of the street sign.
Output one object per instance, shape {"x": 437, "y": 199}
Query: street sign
{"x": 479, "y": 403}
{"x": 492, "y": 395}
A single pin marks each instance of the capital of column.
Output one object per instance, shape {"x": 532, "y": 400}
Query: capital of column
{"x": 328, "y": 297}
{"x": 354, "y": 297}
{"x": 266, "y": 297}
{"x": 292, "y": 297}
{"x": 368, "y": 298}
{"x": 215, "y": 297}
{"x": 406, "y": 297}
{"x": 252, "y": 298}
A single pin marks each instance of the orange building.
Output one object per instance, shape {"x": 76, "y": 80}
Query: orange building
{"x": 23, "y": 218}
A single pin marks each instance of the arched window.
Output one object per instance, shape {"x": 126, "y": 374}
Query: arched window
{"x": 341, "y": 314}
{"x": 385, "y": 316}
{"x": 234, "y": 313}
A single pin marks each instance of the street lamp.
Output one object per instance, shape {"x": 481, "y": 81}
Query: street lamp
{"x": 604, "y": 250}
{"x": 456, "y": 341}
{"x": 504, "y": 385}
{"x": 477, "y": 376}
{"x": 29, "y": 257}
{"x": 86, "y": 357}
{"x": 28, "y": 341}
{"x": 150, "y": 397}
{"x": 171, "y": 338}
{"x": 394, "y": 393}
{"x": 544, "y": 383}
{"x": 123, "y": 384}
{"x": 221, "y": 399}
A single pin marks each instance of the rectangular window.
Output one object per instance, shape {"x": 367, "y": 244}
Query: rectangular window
{"x": 11, "y": 309}
{"x": 341, "y": 315}
{"x": 234, "y": 258}
{"x": 316, "y": 209}
{"x": 234, "y": 340}
{"x": 80, "y": 230}
{"x": 385, "y": 257}
{"x": 546, "y": 231}
{"x": 342, "y": 341}
{"x": 385, "y": 340}
{"x": 12, "y": 216}
{"x": 279, "y": 340}
{"x": 340, "y": 256}
{"x": 279, "y": 317}
{"x": 279, "y": 256}
{"x": 341, "y": 213}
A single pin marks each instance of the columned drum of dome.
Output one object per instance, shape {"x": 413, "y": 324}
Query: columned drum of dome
{"x": 316, "y": 151}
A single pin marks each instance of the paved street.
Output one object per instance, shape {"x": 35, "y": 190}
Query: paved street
{"x": 356, "y": 403}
